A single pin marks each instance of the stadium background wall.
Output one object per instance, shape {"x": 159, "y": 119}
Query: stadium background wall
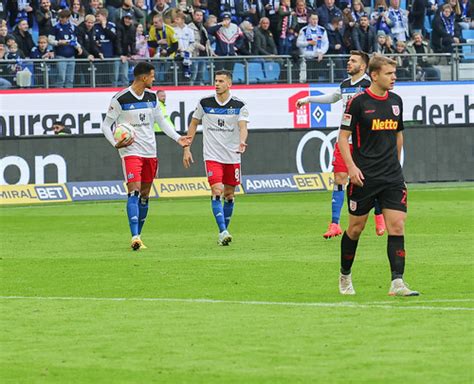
{"x": 430, "y": 154}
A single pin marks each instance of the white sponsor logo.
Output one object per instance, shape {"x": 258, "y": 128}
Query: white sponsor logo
{"x": 325, "y": 153}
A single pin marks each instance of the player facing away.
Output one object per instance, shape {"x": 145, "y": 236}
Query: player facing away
{"x": 137, "y": 106}
{"x": 224, "y": 121}
{"x": 374, "y": 118}
{"x": 357, "y": 82}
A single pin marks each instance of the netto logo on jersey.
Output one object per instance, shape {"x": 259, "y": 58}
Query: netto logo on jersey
{"x": 384, "y": 125}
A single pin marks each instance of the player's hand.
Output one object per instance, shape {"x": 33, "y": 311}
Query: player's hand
{"x": 125, "y": 143}
{"x": 187, "y": 157}
{"x": 301, "y": 102}
{"x": 356, "y": 176}
{"x": 242, "y": 147}
{"x": 184, "y": 141}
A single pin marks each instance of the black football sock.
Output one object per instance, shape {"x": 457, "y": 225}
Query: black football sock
{"x": 396, "y": 255}
{"x": 348, "y": 251}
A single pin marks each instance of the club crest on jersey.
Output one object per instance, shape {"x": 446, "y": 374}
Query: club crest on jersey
{"x": 130, "y": 176}
{"x": 352, "y": 205}
{"x": 142, "y": 117}
{"x": 210, "y": 173}
{"x": 396, "y": 110}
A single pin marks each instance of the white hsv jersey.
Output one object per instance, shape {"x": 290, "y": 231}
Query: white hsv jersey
{"x": 221, "y": 133}
{"x": 140, "y": 112}
{"x": 349, "y": 89}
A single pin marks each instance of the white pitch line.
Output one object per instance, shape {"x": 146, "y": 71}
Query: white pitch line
{"x": 430, "y": 301}
{"x": 244, "y": 302}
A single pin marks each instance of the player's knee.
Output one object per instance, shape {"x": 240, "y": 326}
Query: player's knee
{"x": 217, "y": 191}
{"x": 354, "y": 230}
{"x": 229, "y": 195}
{"x": 396, "y": 227}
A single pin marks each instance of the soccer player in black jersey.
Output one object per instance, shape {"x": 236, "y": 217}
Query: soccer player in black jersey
{"x": 374, "y": 119}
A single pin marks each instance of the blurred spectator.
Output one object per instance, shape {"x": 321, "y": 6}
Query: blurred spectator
{"x": 286, "y": 28}
{"x": 6, "y": 75}
{"x": 63, "y": 38}
{"x": 42, "y": 51}
{"x": 112, "y": 6}
{"x": 87, "y": 39}
{"x": 379, "y": 18}
{"x": 203, "y": 5}
{"x": 93, "y": 7}
{"x": 57, "y": 5}
{"x": 417, "y": 14}
{"x": 327, "y": 12}
{"x": 357, "y": 11}
{"x": 381, "y": 46}
{"x": 78, "y": 13}
{"x": 45, "y": 17}
{"x": 60, "y": 129}
{"x": 202, "y": 47}
{"x": 336, "y": 46}
{"x": 313, "y": 44}
{"x": 160, "y": 8}
{"x": 4, "y": 34}
{"x": 141, "y": 5}
{"x": 403, "y": 61}
{"x": 301, "y": 14}
{"x": 247, "y": 43}
{"x": 161, "y": 96}
{"x": 126, "y": 35}
{"x": 185, "y": 36}
{"x": 14, "y": 53}
{"x": 141, "y": 44}
{"x": 398, "y": 21}
{"x": 271, "y": 12}
{"x": 163, "y": 44}
{"x": 129, "y": 9}
{"x": 186, "y": 8}
{"x": 227, "y": 36}
{"x": 3, "y": 10}
{"x": 23, "y": 38}
{"x": 466, "y": 14}
{"x": 445, "y": 31}
{"x": 211, "y": 22}
{"x": 228, "y": 7}
{"x": 20, "y": 10}
{"x": 264, "y": 41}
{"x": 106, "y": 38}
{"x": 364, "y": 36}
{"x": 425, "y": 69}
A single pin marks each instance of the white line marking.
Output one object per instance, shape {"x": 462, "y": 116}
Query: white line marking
{"x": 244, "y": 302}
{"x": 430, "y": 301}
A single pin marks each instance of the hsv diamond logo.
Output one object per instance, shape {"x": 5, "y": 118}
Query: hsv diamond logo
{"x": 309, "y": 115}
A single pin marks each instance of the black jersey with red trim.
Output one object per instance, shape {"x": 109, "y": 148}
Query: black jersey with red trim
{"x": 375, "y": 122}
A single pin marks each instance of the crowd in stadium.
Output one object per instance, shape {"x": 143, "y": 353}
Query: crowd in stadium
{"x": 95, "y": 30}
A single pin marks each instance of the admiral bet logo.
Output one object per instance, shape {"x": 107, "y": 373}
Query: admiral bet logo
{"x": 309, "y": 115}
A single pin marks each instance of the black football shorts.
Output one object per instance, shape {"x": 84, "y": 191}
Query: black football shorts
{"x": 360, "y": 200}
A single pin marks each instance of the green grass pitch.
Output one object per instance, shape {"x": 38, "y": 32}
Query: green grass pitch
{"x": 264, "y": 310}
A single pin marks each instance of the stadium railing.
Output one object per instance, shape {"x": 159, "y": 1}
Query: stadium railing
{"x": 29, "y": 73}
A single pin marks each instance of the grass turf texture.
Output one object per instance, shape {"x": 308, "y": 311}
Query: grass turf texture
{"x": 278, "y": 255}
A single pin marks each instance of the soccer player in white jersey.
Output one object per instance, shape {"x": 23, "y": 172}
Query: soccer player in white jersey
{"x": 224, "y": 121}
{"x": 357, "y": 82}
{"x": 137, "y": 106}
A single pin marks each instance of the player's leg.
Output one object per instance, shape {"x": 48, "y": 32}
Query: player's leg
{"x": 340, "y": 181}
{"x": 379, "y": 220}
{"x": 215, "y": 173}
{"x": 150, "y": 167}
{"x": 132, "y": 166}
{"x": 393, "y": 201}
{"x": 231, "y": 178}
{"x": 360, "y": 202}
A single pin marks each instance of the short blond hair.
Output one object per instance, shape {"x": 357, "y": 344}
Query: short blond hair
{"x": 378, "y": 61}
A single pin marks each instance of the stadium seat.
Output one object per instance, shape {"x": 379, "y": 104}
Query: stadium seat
{"x": 272, "y": 71}
{"x": 468, "y": 51}
{"x": 256, "y": 73}
{"x": 238, "y": 74}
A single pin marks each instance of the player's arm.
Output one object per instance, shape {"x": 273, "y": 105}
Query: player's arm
{"x": 321, "y": 99}
{"x": 187, "y": 155}
{"x": 349, "y": 121}
{"x": 168, "y": 129}
{"x": 110, "y": 120}
{"x": 243, "y": 130}
{"x": 399, "y": 144}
